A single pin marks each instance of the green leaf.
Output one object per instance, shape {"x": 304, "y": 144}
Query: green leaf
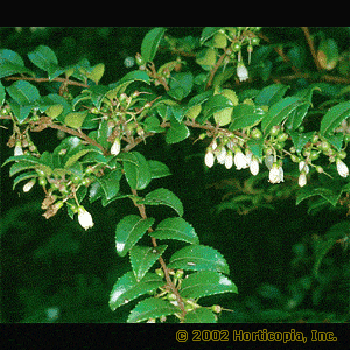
{"x": 300, "y": 139}
{"x": 175, "y": 228}
{"x": 334, "y": 117}
{"x": 152, "y": 124}
{"x": 177, "y": 132}
{"x": 11, "y": 63}
{"x": 2, "y": 94}
{"x": 25, "y": 176}
{"x": 110, "y": 183}
{"x": 279, "y": 111}
{"x": 329, "y": 190}
{"x": 199, "y": 258}
{"x": 143, "y": 258}
{"x": 127, "y": 288}
{"x": 44, "y": 58}
{"x": 207, "y": 33}
{"x": 199, "y": 99}
{"x": 216, "y": 104}
{"x": 23, "y": 92}
{"x": 158, "y": 169}
{"x": 102, "y": 133}
{"x": 97, "y": 72}
{"x": 137, "y": 172}
{"x": 75, "y": 119}
{"x": 151, "y": 307}
{"x": 150, "y": 43}
{"x": 10, "y": 56}
{"x": 271, "y": 94}
{"x": 200, "y": 315}
{"x": 20, "y": 112}
{"x": 256, "y": 146}
{"x": 205, "y": 283}
{"x": 131, "y": 77}
{"x": 166, "y": 197}
{"x": 74, "y": 154}
{"x": 128, "y": 232}
{"x": 180, "y": 85}
{"x": 245, "y": 115}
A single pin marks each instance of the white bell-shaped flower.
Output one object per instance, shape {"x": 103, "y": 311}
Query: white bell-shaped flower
{"x": 221, "y": 156}
{"x": 304, "y": 167}
{"x": 276, "y": 174}
{"x": 342, "y": 169}
{"x": 115, "y": 150}
{"x": 209, "y": 159}
{"x": 228, "y": 160}
{"x": 85, "y": 218}
{"x": 254, "y": 167}
{"x": 302, "y": 180}
{"x": 18, "y": 149}
{"x": 28, "y": 186}
{"x": 240, "y": 160}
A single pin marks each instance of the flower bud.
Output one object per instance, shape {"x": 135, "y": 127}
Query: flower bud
{"x": 85, "y": 218}
{"x": 28, "y": 186}
{"x": 242, "y": 72}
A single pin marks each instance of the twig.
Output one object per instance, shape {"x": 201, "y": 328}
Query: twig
{"x": 43, "y": 80}
{"x": 142, "y": 210}
{"x": 311, "y": 46}
{"x": 213, "y": 71}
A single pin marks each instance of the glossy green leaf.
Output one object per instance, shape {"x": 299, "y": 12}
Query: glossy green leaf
{"x": 110, "y": 183}
{"x": 334, "y": 117}
{"x": 207, "y": 33}
{"x": 216, "y": 104}
{"x": 205, "y": 283}
{"x": 200, "y": 315}
{"x": 271, "y": 94}
{"x": 23, "y": 92}
{"x": 199, "y": 258}
{"x": 180, "y": 85}
{"x": 152, "y": 124}
{"x": 175, "y": 228}
{"x": 102, "y": 133}
{"x": 20, "y": 112}
{"x": 150, "y": 43}
{"x": 143, "y": 258}
{"x": 76, "y": 153}
{"x": 127, "y": 288}
{"x": 279, "y": 111}
{"x": 329, "y": 190}
{"x": 11, "y": 63}
{"x": 28, "y": 175}
{"x": 137, "y": 172}
{"x": 164, "y": 197}
{"x": 245, "y": 115}
{"x": 177, "y": 132}
{"x": 200, "y": 98}
{"x": 45, "y": 58}
{"x": 75, "y": 119}
{"x": 300, "y": 139}
{"x": 152, "y": 307}
{"x": 2, "y": 94}
{"x": 128, "y": 232}
{"x": 256, "y": 147}
{"x": 158, "y": 169}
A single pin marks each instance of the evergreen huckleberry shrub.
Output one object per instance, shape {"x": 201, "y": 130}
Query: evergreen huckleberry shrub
{"x": 221, "y": 90}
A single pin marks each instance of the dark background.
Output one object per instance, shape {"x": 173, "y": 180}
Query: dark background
{"x": 55, "y": 263}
